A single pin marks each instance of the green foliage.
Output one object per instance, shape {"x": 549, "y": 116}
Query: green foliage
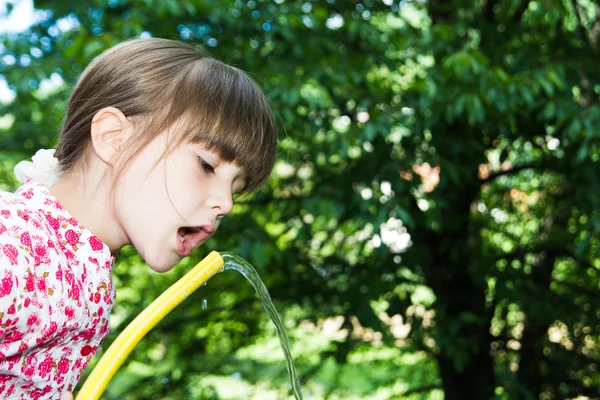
{"x": 430, "y": 229}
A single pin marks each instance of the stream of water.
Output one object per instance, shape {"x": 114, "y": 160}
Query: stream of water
{"x": 233, "y": 262}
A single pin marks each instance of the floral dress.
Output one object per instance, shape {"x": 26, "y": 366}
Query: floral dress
{"x": 56, "y": 294}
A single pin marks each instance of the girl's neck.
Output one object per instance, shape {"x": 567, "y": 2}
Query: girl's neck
{"x": 87, "y": 196}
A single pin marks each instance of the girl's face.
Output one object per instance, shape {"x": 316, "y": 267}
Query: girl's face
{"x": 167, "y": 209}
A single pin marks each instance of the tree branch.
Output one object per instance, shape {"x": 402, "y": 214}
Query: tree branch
{"x": 511, "y": 171}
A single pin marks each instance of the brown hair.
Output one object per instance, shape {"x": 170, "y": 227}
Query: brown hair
{"x": 160, "y": 82}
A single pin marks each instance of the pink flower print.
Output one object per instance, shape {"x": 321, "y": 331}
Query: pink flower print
{"x": 40, "y": 255}
{"x": 11, "y": 252}
{"x": 42, "y": 284}
{"x": 26, "y": 304}
{"x": 96, "y": 243}
{"x": 30, "y": 283}
{"x": 13, "y": 336}
{"x": 97, "y": 297}
{"x": 45, "y": 367}
{"x": 26, "y": 239}
{"x": 11, "y": 310}
{"x": 69, "y": 255}
{"x": 60, "y": 380}
{"x": 41, "y": 250}
{"x": 23, "y": 215}
{"x": 75, "y": 293}
{"x": 67, "y": 350}
{"x": 2, "y": 228}
{"x": 6, "y": 284}
{"x": 53, "y": 222}
{"x": 103, "y": 329}
{"x": 63, "y": 366}
{"x": 71, "y": 237}
{"x": 36, "y": 224}
{"x": 28, "y": 367}
{"x": 86, "y": 350}
{"x": 59, "y": 273}
{"x": 69, "y": 277}
{"x": 11, "y": 390}
{"x": 33, "y": 320}
{"x": 84, "y": 274}
{"x": 5, "y": 214}
{"x": 69, "y": 312}
{"x": 28, "y": 194}
{"x": 88, "y": 333}
{"x": 50, "y": 330}
{"x": 73, "y": 222}
{"x": 12, "y": 360}
{"x": 84, "y": 365}
{"x": 31, "y": 359}
{"x": 53, "y": 203}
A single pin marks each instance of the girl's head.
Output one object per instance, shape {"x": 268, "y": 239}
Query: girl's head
{"x": 175, "y": 133}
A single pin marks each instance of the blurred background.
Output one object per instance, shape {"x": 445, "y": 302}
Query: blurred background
{"x": 430, "y": 230}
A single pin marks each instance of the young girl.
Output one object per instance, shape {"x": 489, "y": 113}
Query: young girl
{"x": 157, "y": 138}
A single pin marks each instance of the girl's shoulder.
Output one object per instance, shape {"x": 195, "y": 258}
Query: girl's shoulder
{"x": 8, "y": 199}
{"x": 16, "y": 206}
{"x": 24, "y": 213}
{"x": 31, "y": 196}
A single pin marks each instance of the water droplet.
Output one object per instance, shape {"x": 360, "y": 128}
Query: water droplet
{"x": 205, "y": 283}
{"x": 204, "y": 304}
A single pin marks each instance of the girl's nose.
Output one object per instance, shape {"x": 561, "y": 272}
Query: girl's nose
{"x": 222, "y": 203}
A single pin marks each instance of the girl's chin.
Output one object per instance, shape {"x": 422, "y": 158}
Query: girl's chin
{"x": 164, "y": 265}
{"x": 161, "y": 268}
{"x": 159, "y": 259}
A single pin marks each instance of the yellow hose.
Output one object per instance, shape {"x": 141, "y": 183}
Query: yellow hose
{"x": 123, "y": 345}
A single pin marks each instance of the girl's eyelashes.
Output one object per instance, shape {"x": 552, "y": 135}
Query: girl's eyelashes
{"x": 206, "y": 166}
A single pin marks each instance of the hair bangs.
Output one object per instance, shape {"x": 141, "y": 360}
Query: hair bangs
{"x": 226, "y": 111}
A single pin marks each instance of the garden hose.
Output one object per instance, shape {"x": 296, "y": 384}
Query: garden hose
{"x": 123, "y": 345}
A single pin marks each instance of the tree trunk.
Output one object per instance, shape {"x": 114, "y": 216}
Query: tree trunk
{"x": 535, "y": 329}
{"x": 462, "y": 321}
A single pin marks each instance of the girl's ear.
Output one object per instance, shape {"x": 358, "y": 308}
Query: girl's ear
{"x": 110, "y": 130}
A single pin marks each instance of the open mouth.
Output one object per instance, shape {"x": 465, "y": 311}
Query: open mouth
{"x": 187, "y": 232}
{"x": 190, "y": 237}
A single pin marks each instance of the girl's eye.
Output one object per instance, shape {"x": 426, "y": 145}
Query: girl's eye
{"x": 206, "y": 166}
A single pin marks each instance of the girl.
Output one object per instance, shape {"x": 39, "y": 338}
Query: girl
{"x": 156, "y": 139}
